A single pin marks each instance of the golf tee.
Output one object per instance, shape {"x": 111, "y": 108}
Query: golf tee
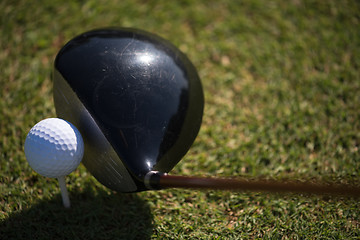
{"x": 64, "y": 192}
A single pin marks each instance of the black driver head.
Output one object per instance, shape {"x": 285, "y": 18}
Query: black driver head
{"x": 136, "y": 99}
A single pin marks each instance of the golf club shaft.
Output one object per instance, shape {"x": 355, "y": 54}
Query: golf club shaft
{"x": 167, "y": 181}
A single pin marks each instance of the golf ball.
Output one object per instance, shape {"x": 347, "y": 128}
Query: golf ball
{"x": 54, "y": 147}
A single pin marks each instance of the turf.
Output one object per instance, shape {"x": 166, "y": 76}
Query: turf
{"x": 282, "y": 87}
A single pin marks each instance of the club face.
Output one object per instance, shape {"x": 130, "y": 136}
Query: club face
{"x": 136, "y": 99}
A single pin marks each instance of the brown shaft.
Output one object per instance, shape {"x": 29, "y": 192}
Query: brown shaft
{"x": 167, "y": 181}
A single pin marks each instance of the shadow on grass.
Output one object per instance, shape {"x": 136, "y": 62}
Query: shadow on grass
{"x": 93, "y": 215}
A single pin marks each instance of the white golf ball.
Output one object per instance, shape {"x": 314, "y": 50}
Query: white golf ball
{"x": 54, "y": 147}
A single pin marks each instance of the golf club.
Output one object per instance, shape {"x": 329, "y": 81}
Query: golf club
{"x": 138, "y": 102}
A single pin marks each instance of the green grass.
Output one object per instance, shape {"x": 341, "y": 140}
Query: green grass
{"x": 282, "y": 88}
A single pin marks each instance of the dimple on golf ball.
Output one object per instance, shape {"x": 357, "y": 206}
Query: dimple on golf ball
{"x": 54, "y": 147}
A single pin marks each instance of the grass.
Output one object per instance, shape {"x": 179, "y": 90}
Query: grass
{"x": 282, "y": 88}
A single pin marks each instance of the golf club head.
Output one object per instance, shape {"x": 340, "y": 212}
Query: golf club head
{"x": 136, "y": 99}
